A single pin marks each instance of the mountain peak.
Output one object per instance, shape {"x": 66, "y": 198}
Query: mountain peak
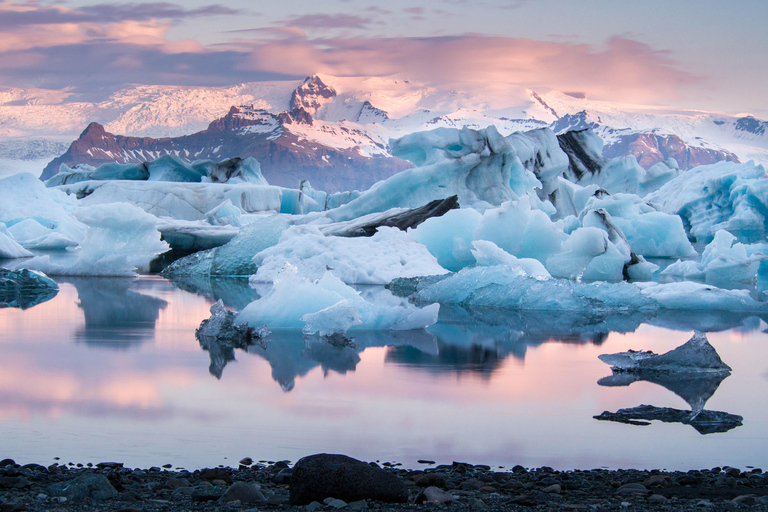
{"x": 311, "y": 95}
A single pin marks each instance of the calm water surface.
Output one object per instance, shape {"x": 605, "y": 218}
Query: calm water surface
{"x": 110, "y": 369}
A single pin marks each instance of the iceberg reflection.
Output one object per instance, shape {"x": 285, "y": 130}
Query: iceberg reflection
{"x": 115, "y": 316}
{"x": 693, "y": 371}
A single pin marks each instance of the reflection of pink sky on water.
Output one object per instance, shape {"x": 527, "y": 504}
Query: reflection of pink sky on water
{"x": 145, "y": 403}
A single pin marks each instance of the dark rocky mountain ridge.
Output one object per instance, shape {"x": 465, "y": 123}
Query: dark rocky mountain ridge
{"x": 285, "y": 158}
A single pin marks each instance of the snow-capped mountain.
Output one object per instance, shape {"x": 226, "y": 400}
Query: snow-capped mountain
{"x": 353, "y": 118}
{"x": 275, "y": 140}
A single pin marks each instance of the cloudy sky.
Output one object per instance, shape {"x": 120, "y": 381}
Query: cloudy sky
{"x": 706, "y": 54}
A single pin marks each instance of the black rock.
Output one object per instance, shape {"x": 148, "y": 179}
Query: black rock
{"x": 403, "y": 220}
{"x": 208, "y": 492}
{"x": 88, "y": 485}
{"x": 321, "y": 476}
{"x": 7, "y": 462}
{"x": 210, "y": 475}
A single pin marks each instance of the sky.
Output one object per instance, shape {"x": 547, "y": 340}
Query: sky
{"x": 700, "y": 54}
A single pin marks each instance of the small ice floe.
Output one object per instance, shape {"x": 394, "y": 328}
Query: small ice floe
{"x": 696, "y": 355}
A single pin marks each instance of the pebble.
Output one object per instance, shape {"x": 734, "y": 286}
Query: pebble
{"x": 334, "y": 503}
{"x": 472, "y": 488}
{"x": 437, "y": 495}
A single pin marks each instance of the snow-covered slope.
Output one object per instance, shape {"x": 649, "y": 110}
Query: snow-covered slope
{"x": 361, "y": 114}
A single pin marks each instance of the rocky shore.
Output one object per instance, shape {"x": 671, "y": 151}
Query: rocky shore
{"x": 330, "y": 482}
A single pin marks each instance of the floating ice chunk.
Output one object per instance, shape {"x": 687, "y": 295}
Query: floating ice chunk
{"x": 589, "y": 254}
{"x": 622, "y": 174}
{"x": 9, "y": 247}
{"x": 497, "y": 287}
{"x": 108, "y": 171}
{"x": 521, "y": 230}
{"x": 25, "y": 288}
{"x": 683, "y": 270}
{"x": 379, "y": 259}
{"x": 489, "y": 254}
{"x": 540, "y": 152}
{"x": 648, "y": 232}
{"x": 221, "y": 326}
{"x": 226, "y": 214}
{"x": 724, "y": 262}
{"x": 236, "y": 257}
{"x": 44, "y": 215}
{"x": 704, "y": 421}
{"x": 724, "y": 195}
{"x": 657, "y": 176}
{"x": 121, "y": 238}
{"x": 232, "y": 170}
{"x": 173, "y": 168}
{"x": 325, "y": 305}
{"x": 695, "y": 355}
{"x": 448, "y": 237}
{"x": 183, "y": 201}
{"x": 479, "y": 166}
{"x": 570, "y": 198}
{"x": 332, "y": 320}
{"x": 694, "y": 296}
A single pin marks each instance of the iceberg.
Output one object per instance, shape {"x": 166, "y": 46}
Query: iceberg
{"x": 25, "y": 288}
{"x": 183, "y": 201}
{"x": 725, "y": 195}
{"x": 505, "y": 287}
{"x": 649, "y": 232}
{"x": 705, "y": 422}
{"x": 688, "y": 295}
{"x": 479, "y": 166}
{"x": 37, "y": 217}
{"x": 165, "y": 168}
{"x": 388, "y": 254}
{"x": 296, "y": 302}
{"x": 219, "y": 336}
{"x": 510, "y": 288}
{"x": 235, "y": 258}
{"x": 121, "y": 238}
{"x": 724, "y": 262}
{"x": 9, "y": 247}
{"x": 517, "y": 226}
{"x": 695, "y": 355}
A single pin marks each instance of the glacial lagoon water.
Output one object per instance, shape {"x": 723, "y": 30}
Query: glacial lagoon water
{"x": 110, "y": 369}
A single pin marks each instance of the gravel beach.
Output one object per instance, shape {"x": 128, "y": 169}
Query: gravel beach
{"x": 267, "y": 486}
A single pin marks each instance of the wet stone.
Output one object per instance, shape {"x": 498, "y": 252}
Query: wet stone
{"x": 88, "y": 485}
{"x": 431, "y": 480}
{"x": 207, "y": 492}
{"x": 243, "y": 492}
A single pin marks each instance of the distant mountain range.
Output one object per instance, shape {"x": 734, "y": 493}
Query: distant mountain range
{"x": 335, "y": 132}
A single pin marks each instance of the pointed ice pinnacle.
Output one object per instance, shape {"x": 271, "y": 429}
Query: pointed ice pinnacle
{"x": 696, "y": 355}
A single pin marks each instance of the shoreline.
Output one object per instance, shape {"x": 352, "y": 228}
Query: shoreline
{"x": 254, "y": 485}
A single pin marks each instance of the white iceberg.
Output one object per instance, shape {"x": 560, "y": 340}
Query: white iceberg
{"x": 9, "y": 247}
{"x": 479, "y": 166}
{"x": 388, "y": 254}
{"x": 121, "y": 238}
{"x": 183, "y": 201}
{"x": 725, "y": 195}
{"x": 328, "y": 306}
{"x": 37, "y": 217}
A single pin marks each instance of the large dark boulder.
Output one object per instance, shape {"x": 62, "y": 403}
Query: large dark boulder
{"x": 324, "y": 475}
{"x": 88, "y": 485}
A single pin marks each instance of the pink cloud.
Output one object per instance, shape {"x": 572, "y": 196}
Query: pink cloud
{"x": 624, "y": 70}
